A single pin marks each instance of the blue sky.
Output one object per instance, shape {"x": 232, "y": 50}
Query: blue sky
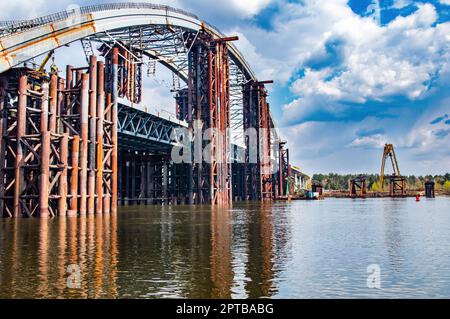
{"x": 349, "y": 75}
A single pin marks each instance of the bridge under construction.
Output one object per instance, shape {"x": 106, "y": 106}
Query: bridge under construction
{"x": 80, "y": 140}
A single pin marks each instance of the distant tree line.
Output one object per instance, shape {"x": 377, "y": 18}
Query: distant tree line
{"x": 333, "y": 181}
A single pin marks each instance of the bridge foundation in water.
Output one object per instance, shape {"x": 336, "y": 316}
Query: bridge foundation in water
{"x": 79, "y": 145}
{"x": 81, "y": 141}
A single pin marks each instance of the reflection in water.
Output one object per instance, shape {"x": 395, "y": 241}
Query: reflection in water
{"x": 393, "y": 236}
{"x": 147, "y": 252}
{"x": 284, "y": 249}
{"x": 259, "y": 263}
{"x": 36, "y": 253}
{"x": 61, "y": 255}
{"x": 43, "y": 252}
{"x": 221, "y": 267}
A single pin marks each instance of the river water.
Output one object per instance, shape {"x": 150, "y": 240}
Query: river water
{"x": 298, "y": 249}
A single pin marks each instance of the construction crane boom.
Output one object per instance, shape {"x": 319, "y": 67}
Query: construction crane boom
{"x": 389, "y": 152}
{"x": 44, "y": 62}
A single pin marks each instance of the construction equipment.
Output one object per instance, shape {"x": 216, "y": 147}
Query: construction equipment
{"x": 44, "y": 62}
{"x": 397, "y": 183}
{"x": 389, "y": 152}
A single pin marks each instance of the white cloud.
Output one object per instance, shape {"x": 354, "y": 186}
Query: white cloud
{"x": 379, "y": 61}
{"x": 22, "y": 9}
{"x": 26, "y": 9}
{"x": 447, "y": 2}
{"x": 224, "y": 10}
{"x": 399, "y": 4}
{"x": 266, "y": 68}
{"x": 375, "y": 62}
{"x": 249, "y": 7}
{"x": 372, "y": 141}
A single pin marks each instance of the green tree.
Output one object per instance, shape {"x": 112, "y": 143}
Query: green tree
{"x": 447, "y": 187}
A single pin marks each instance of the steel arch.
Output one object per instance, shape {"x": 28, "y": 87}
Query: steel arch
{"x": 23, "y": 40}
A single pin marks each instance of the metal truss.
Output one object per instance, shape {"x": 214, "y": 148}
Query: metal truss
{"x": 135, "y": 124}
{"x": 168, "y": 45}
{"x": 237, "y": 82}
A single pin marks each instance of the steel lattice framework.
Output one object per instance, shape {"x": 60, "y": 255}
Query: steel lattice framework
{"x": 85, "y": 142}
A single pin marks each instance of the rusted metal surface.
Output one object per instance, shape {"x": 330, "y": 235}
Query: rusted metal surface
{"x": 74, "y": 176}
{"x": 61, "y": 135}
{"x": 100, "y": 121}
{"x": 63, "y": 185}
{"x": 397, "y": 186}
{"x": 92, "y": 133}
{"x": 21, "y": 122}
{"x": 53, "y": 103}
{"x": 358, "y": 186}
{"x": 84, "y": 121}
{"x": 45, "y": 175}
{"x": 114, "y": 134}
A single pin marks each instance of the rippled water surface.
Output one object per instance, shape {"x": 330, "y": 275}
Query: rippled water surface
{"x": 299, "y": 249}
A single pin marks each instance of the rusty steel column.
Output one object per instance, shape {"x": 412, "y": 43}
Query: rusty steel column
{"x": 69, "y": 87}
{"x": 100, "y": 115}
{"x": 126, "y": 82}
{"x": 45, "y": 154}
{"x": 253, "y": 148}
{"x": 60, "y": 106}
{"x": 114, "y": 156}
{"x": 74, "y": 178}
{"x": 44, "y": 107}
{"x": 21, "y": 122}
{"x": 53, "y": 102}
{"x": 45, "y": 174}
{"x": 92, "y": 132}
{"x": 84, "y": 104}
{"x": 209, "y": 97}
{"x": 62, "y": 189}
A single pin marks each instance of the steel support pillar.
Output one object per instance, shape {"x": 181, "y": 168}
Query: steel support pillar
{"x": 209, "y": 101}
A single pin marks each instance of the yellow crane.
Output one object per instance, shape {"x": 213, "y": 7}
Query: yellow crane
{"x": 389, "y": 152}
{"x": 49, "y": 56}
